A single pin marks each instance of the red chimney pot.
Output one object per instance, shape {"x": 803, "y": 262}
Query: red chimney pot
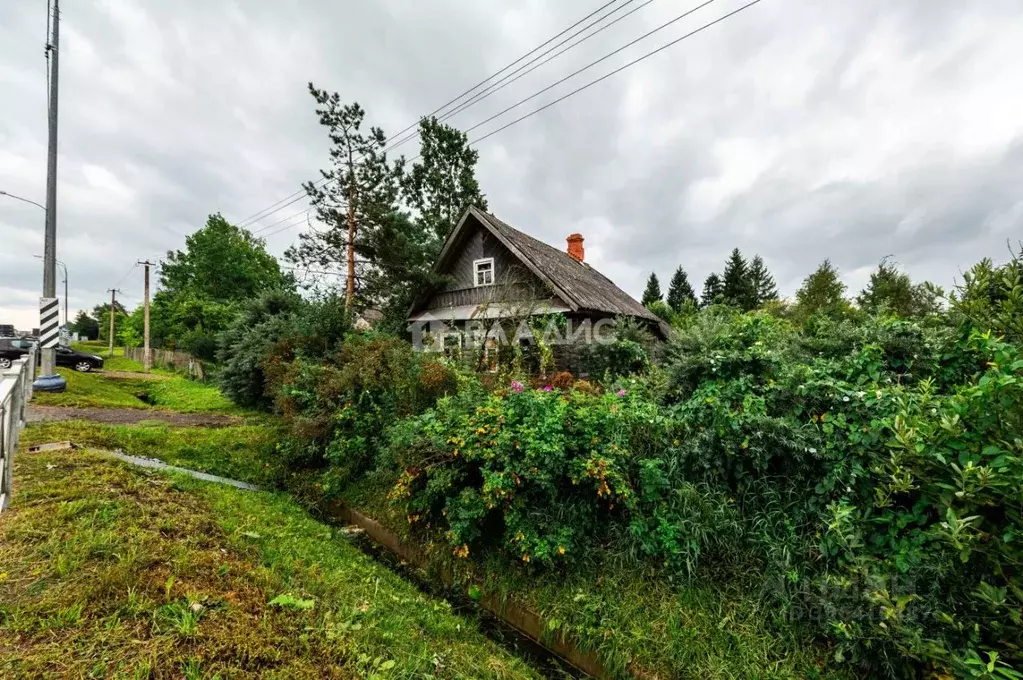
{"x": 575, "y": 246}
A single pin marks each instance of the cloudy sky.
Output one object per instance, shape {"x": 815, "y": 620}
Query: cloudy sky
{"x": 797, "y": 129}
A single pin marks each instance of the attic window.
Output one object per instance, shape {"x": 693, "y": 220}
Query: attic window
{"x": 484, "y": 271}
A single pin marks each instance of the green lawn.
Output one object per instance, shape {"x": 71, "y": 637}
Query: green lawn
{"x": 240, "y": 452}
{"x": 107, "y": 571}
{"x": 172, "y": 392}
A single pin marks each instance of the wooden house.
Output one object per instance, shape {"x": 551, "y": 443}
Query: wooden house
{"x": 496, "y": 273}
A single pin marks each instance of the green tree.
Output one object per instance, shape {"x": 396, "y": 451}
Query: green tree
{"x": 737, "y": 286}
{"x": 354, "y": 197}
{"x": 764, "y": 287}
{"x": 889, "y": 288}
{"x": 652, "y": 293}
{"x": 821, "y": 291}
{"x": 85, "y": 325}
{"x": 442, "y": 183}
{"x": 221, "y": 262}
{"x": 712, "y": 290}
{"x": 438, "y": 188}
{"x": 101, "y": 313}
{"x": 679, "y": 290}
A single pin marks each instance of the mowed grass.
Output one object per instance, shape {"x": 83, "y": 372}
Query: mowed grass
{"x": 108, "y": 571}
{"x": 172, "y": 392}
{"x": 241, "y": 452}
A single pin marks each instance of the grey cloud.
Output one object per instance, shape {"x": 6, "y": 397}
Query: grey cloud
{"x": 799, "y": 130}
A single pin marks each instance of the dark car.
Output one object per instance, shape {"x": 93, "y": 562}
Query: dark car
{"x": 12, "y": 349}
{"x": 80, "y": 361}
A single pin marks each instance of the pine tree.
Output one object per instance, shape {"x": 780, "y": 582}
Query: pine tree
{"x": 653, "y": 290}
{"x": 712, "y": 290}
{"x": 764, "y": 287}
{"x": 355, "y": 198}
{"x": 679, "y": 290}
{"x": 736, "y": 282}
{"x": 821, "y": 292}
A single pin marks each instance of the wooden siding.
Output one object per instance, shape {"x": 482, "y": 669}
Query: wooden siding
{"x": 513, "y": 281}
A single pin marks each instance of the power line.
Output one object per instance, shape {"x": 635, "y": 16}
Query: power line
{"x": 607, "y": 75}
{"x": 597, "y": 80}
{"x": 298, "y": 194}
{"x": 512, "y": 77}
{"x": 605, "y": 58}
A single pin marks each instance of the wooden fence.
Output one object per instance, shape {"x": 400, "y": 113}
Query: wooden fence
{"x": 15, "y": 393}
{"x": 169, "y": 359}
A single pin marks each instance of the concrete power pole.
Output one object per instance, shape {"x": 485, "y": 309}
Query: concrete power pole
{"x": 113, "y": 313}
{"x": 146, "y": 360}
{"x": 49, "y": 364}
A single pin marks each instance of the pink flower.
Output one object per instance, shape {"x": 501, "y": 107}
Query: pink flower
{"x": 621, "y": 393}
{"x": 547, "y": 388}
{"x": 516, "y": 385}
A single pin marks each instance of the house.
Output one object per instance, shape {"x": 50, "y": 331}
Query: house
{"x": 499, "y": 281}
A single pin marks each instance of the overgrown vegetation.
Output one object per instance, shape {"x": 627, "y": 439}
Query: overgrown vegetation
{"x": 853, "y": 470}
{"x": 106, "y": 571}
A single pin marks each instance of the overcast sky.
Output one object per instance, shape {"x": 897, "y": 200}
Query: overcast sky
{"x": 797, "y": 129}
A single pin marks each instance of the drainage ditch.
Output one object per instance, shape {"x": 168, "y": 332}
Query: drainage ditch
{"x": 549, "y": 664}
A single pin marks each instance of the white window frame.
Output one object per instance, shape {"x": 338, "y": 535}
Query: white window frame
{"x": 476, "y": 271}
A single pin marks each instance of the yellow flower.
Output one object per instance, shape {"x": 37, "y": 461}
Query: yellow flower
{"x": 525, "y": 558}
{"x": 561, "y": 550}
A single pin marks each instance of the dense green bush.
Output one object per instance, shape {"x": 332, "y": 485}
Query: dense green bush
{"x": 867, "y": 469}
{"x": 339, "y": 409}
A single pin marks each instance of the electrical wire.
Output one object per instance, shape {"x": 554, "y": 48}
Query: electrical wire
{"x": 597, "y": 80}
{"x": 607, "y": 75}
{"x": 296, "y": 196}
{"x": 519, "y": 73}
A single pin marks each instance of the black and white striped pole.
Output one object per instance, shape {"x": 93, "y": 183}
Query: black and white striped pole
{"x": 49, "y": 305}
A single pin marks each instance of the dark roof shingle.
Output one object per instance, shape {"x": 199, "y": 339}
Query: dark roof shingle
{"x": 588, "y": 289}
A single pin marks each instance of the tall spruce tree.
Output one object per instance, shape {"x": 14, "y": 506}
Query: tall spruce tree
{"x": 736, "y": 283}
{"x": 356, "y": 197}
{"x": 712, "y": 290}
{"x": 679, "y": 290}
{"x": 652, "y": 293}
{"x": 764, "y": 287}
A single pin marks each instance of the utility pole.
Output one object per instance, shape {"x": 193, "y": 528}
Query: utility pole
{"x": 146, "y": 361}
{"x": 113, "y": 307}
{"x": 49, "y": 357}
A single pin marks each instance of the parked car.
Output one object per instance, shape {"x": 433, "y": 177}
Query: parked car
{"x": 80, "y": 361}
{"x": 12, "y": 349}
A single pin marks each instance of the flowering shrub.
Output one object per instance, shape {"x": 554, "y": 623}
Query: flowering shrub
{"x": 536, "y": 472}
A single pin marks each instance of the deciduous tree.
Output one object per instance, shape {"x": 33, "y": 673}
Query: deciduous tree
{"x": 821, "y": 292}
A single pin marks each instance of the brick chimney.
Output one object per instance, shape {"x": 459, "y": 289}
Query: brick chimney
{"x": 575, "y": 246}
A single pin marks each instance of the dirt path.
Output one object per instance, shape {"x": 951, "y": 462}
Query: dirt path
{"x": 129, "y": 416}
{"x": 133, "y": 375}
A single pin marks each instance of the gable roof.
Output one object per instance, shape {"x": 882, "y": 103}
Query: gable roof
{"x": 578, "y": 284}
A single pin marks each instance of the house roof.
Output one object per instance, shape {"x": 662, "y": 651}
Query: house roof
{"x": 578, "y": 284}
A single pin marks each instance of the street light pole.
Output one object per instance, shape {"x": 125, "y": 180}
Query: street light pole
{"x": 49, "y": 355}
{"x": 19, "y": 198}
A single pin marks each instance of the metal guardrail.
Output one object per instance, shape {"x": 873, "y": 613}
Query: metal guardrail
{"x": 15, "y": 393}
